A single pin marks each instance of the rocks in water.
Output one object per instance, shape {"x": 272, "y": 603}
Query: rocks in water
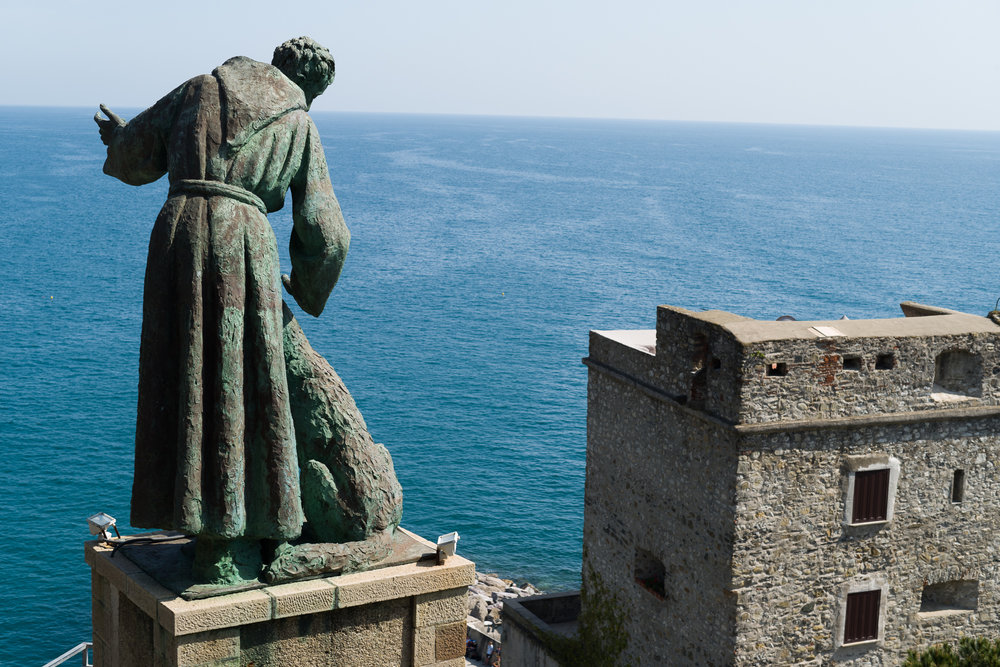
{"x": 486, "y": 597}
{"x": 530, "y": 590}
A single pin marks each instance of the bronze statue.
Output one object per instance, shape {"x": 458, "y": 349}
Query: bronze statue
{"x": 245, "y": 435}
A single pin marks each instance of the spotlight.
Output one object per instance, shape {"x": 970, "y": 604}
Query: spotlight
{"x": 446, "y": 546}
{"x": 99, "y": 524}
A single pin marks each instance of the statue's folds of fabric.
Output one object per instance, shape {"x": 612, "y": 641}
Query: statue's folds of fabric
{"x": 215, "y": 440}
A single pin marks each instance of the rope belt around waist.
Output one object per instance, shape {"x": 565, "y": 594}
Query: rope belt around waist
{"x": 194, "y": 186}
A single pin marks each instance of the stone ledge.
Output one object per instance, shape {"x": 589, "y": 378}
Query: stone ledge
{"x": 117, "y": 570}
{"x": 301, "y": 597}
{"x": 402, "y": 581}
{"x": 145, "y": 592}
{"x": 183, "y": 617}
{"x": 943, "y": 613}
{"x": 875, "y": 419}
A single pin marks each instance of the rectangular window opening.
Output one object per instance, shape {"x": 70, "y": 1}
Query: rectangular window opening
{"x": 885, "y": 362}
{"x": 958, "y": 487}
{"x": 871, "y": 496}
{"x": 777, "y": 369}
{"x": 953, "y": 596}
{"x": 861, "y": 623}
{"x": 852, "y": 363}
{"x": 716, "y": 364}
{"x": 650, "y": 573}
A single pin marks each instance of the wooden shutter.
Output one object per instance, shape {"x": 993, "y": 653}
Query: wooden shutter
{"x": 861, "y": 623}
{"x": 871, "y": 495}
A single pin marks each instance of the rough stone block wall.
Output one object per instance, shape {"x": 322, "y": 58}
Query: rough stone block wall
{"x": 439, "y": 626}
{"x": 624, "y": 359}
{"x": 371, "y": 635}
{"x": 702, "y": 364}
{"x": 817, "y": 386}
{"x": 661, "y": 480}
{"x": 409, "y": 614}
{"x": 736, "y": 481}
{"x": 698, "y": 363}
{"x": 793, "y": 555}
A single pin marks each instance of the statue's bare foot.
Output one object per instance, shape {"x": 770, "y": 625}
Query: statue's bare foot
{"x": 226, "y": 562}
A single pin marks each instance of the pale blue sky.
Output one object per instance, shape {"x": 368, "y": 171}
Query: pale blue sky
{"x": 905, "y": 63}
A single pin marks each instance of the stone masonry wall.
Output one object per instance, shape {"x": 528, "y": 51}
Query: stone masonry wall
{"x": 635, "y": 363}
{"x": 794, "y": 556}
{"x": 736, "y": 480}
{"x": 701, "y": 364}
{"x": 660, "y": 480}
{"x": 697, "y": 363}
{"x": 818, "y": 386}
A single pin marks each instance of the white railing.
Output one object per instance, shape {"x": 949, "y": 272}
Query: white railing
{"x": 79, "y": 649}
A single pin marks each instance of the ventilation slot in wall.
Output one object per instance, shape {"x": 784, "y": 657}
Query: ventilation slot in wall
{"x": 650, "y": 573}
{"x": 885, "y": 362}
{"x": 777, "y": 368}
{"x": 958, "y": 487}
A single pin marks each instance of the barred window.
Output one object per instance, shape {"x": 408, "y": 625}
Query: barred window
{"x": 861, "y": 622}
{"x": 871, "y": 495}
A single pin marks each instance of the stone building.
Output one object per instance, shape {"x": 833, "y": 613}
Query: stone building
{"x": 793, "y": 493}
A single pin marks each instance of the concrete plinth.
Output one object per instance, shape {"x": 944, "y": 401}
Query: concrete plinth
{"x": 409, "y": 614}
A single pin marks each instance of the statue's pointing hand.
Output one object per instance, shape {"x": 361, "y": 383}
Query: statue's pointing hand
{"x": 108, "y": 126}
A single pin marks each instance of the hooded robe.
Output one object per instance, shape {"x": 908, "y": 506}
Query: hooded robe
{"x": 215, "y": 450}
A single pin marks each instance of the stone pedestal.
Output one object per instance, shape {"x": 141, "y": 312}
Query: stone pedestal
{"x": 409, "y": 614}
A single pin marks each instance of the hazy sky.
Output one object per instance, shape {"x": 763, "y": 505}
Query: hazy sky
{"x": 906, "y": 63}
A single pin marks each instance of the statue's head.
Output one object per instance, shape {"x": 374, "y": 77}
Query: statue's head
{"x": 307, "y": 63}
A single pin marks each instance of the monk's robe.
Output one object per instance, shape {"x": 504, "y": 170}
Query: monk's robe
{"x": 215, "y": 450}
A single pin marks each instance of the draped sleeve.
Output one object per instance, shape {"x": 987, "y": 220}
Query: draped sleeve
{"x": 137, "y": 153}
{"x": 319, "y": 235}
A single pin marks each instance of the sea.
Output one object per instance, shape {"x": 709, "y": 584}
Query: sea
{"x": 483, "y": 251}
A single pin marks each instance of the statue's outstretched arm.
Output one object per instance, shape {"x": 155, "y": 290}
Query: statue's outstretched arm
{"x": 137, "y": 149}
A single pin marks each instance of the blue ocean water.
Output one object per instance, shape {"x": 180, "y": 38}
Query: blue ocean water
{"x": 483, "y": 251}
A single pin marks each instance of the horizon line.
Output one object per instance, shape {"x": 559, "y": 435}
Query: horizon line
{"x": 644, "y": 119}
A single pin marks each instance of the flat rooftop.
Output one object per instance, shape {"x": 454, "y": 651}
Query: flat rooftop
{"x": 643, "y": 340}
{"x": 918, "y": 321}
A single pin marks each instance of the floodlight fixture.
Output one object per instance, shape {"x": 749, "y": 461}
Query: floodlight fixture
{"x": 100, "y": 523}
{"x": 446, "y": 546}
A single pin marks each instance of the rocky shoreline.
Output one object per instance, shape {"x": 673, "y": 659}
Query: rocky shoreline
{"x": 485, "y": 602}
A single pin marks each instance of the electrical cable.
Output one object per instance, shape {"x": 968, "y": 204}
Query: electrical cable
{"x": 116, "y": 544}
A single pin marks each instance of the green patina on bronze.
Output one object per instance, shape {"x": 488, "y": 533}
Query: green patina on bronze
{"x": 245, "y": 435}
